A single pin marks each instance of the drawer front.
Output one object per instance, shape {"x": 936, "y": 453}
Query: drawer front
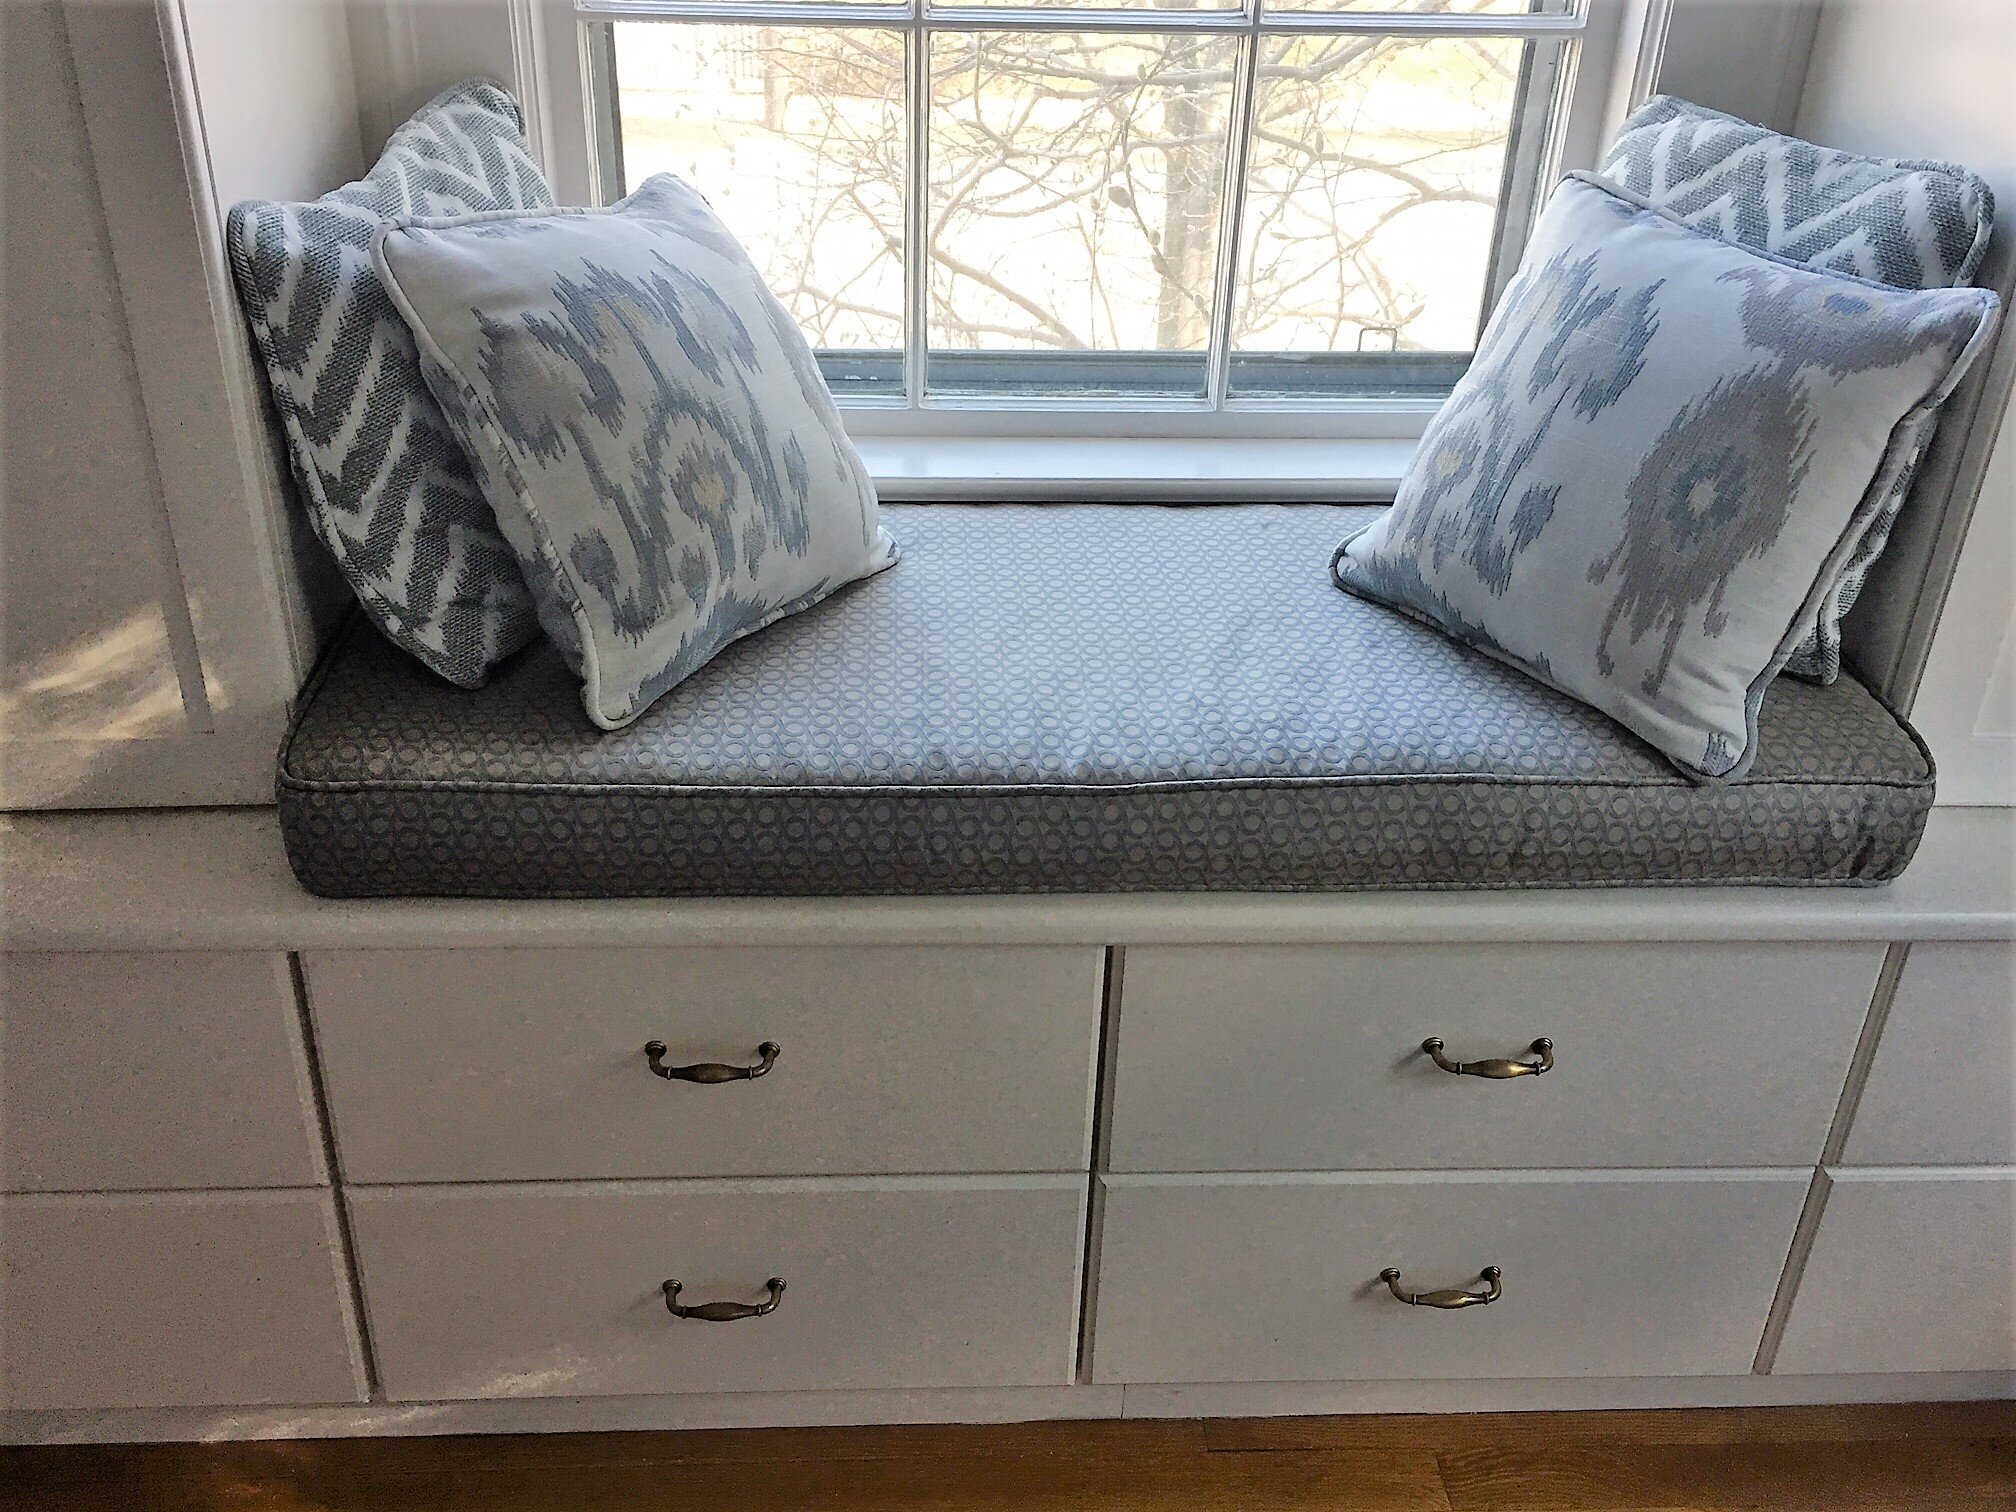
{"x": 1278, "y": 1278}
{"x": 152, "y": 1069}
{"x": 479, "y": 1065}
{"x": 1942, "y": 1088}
{"x": 1910, "y": 1270}
{"x": 1309, "y": 1058}
{"x": 182, "y": 1299}
{"x": 555, "y": 1290}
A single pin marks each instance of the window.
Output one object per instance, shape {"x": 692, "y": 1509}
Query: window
{"x": 1188, "y": 205}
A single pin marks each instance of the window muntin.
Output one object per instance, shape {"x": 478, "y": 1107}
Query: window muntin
{"x": 1175, "y": 208}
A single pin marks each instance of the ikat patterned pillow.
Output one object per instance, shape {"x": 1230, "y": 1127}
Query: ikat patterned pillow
{"x": 384, "y": 483}
{"x": 1912, "y": 224}
{"x": 648, "y": 425}
{"x": 1664, "y": 451}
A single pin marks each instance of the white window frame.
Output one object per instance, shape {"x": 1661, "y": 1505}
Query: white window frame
{"x": 1602, "y": 71}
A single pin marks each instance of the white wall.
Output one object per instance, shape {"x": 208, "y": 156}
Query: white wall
{"x": 405, "y": 50}
{"x": 100, "y": 674}
{"x": 1747, "y": 57}
{"x": 161, "y": 603}
{"x": 1937, "y": 78}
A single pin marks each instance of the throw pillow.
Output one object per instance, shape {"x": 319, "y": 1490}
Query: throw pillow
{"x": 647, "y": 423}
{"x": 1912, "y": 224}
{"x": 384, "y": 483}
{"x": 1658, "y": 461}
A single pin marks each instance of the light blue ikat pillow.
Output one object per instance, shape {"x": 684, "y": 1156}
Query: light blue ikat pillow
{"x": 1913, "y": 224}
{"x": 1663, "y": 453}
{"x": 648, "y": 424}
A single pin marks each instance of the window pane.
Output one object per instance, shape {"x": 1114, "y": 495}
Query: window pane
{"x": 1431, "y": 7}
{"x": 1108, "y": 4}
{"x": 1371, "y": 211}
{"x": 795, "y": 135}
{"x": 1075, "y": 181}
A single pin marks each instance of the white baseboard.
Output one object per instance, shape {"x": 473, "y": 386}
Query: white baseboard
{"x": 850, "y": 1408}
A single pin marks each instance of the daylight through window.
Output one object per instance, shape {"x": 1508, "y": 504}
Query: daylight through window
{"x": 1158, "y": 200}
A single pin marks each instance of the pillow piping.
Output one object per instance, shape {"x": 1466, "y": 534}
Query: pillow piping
{"x": 1888, "y": 469}
{"x": 562, "y": 612}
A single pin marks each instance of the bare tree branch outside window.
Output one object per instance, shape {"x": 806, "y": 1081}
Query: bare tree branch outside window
{"x": 1075, "y": 180}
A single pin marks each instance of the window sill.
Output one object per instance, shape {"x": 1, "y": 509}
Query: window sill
{"x": 1151, "y": 470}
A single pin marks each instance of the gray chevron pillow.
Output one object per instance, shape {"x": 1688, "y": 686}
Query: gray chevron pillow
{"x": 1910, "y": 224}
{"x": 385, "y": 483}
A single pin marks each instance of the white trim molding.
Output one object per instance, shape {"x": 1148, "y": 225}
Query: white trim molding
{"x": 218, "y": 880}
{"x": 1006, "y": 1405}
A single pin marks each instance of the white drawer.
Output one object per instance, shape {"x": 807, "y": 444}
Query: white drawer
{"x": 149, "y": 1069}
{"x": 555, "y": 1290}
{"x": 1309, "y": 1058}
{"x": 1276, "y": 1278}
{"x": 180, "y": 1299}
{"x": 479, "y": 1065}
{"x": 1910, "y": 1270}
{"x": 1942, "y": 1088}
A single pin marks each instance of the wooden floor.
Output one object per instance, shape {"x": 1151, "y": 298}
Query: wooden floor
{"x": 1953, "y": 1458}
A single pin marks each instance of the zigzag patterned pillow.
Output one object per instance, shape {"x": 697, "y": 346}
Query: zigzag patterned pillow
{"x": 1910, "y": 224}
{"x": 385, "y": 483}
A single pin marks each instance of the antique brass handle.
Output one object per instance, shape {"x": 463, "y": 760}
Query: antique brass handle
{"x": 1446, "y": 1299}
{"x": 1496, "y": 1069}
{"x": 712, "y": 1071}
{"x": 725, "y": 1312}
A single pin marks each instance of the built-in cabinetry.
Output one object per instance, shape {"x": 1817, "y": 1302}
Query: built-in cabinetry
{"x": 1301, "y": 1058}
{"x": 1282, "y": 1135}
{"x": 516, "y": 1065}
{"x": 557, "y": 1289}
{"x": 900, "y": 1136}
{"x": 168, "y": 1235}
{"x": 1914, "y": 1263}
{"x": 957, "y": 1157}
{"x": 1279, "y": 1278}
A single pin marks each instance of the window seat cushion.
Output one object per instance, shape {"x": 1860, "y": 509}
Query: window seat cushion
{"x": 1070, "y": 698}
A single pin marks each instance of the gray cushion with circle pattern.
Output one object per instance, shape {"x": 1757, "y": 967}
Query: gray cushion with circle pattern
{"x": 1069, "y": 698}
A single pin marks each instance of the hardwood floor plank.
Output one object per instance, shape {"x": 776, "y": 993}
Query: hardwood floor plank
{"x": 1953, "y": 1458}
{"x": 1895, "y": 1475}
{"x": 1677, "y": 1425}
{"x": 1293, "y": 1481}
{"x": 472, "y": 1452}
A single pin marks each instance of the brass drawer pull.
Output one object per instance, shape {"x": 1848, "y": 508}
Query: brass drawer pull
{"x": 1446, "y": 1299}
{"x": 725, "y": 1312}
{"x": 1498, "y": 1070}
{"x": 712, "y": 1071}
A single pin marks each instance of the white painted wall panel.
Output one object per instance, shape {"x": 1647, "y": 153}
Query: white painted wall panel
{"x": 125, "y": 1070}
{"x": 1931, "y": 78}
{"x": 162, "y": 602}
{"x": 174, "y": 1299}
{"x": 1911, "y": 1270}
{"x": 96, "y": 651}
{"x": 1747, "y": 57}
{"x": 1942, "y": 1085}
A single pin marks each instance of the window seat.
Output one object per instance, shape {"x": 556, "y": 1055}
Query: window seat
{"x": 1069, "y": 699}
